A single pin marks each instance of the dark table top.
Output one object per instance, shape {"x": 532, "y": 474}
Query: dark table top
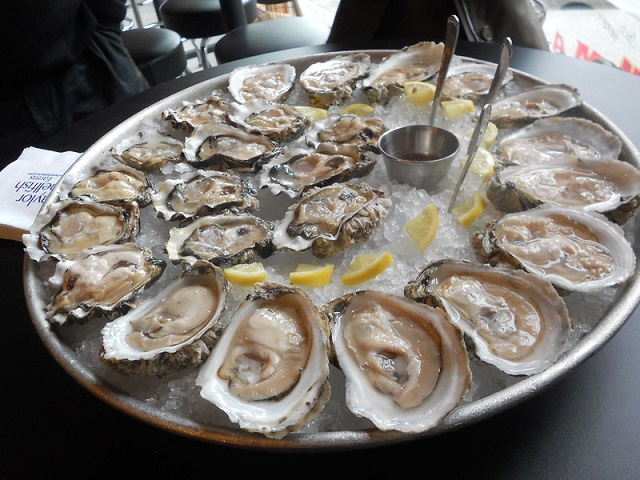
{"x": 584, "y": 426}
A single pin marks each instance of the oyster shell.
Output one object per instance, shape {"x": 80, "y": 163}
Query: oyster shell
{"x": 539, "y": 101}
{"x": 277, "y": 122}
{"x": 417, "y": 62}
{"x": 515, "y": 320}
{"x": 69, "y": 226}
{"x": 405, "y": 364}
{"x": 551, "y": 137}
{"x": 225, "y": 239}
{"x": 203, "y": 193}
{"x": 299, "y": 169}
{"x": 330, "y": 219}
{"x": 594, "y": 184}
{"x": 270, "y": 369}
{"x": 225, "y": 147}
{"x": 574, "y": 249}
{"x": 471, "y": 80}
{"x": 121, "y": 184}
{"x": 332, "y": 81}
{"x": 271, "y": 82}
{"x": 149, "y": 150}
{"x": 172, "y": 330}
{"x": 348, "y": 128}
{"x": 102, "y": 280}
{"x": 189, "y": 115}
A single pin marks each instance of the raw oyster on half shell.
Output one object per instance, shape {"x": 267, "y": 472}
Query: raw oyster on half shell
{"x": 270, "y": 369}
{"x": 171, "y": 330}
{"x": 332, "y": 81}
{"x": 515, "y": 320}
{"x": 574, "y": 249}
{"x": 121, "y": 184}
{"x": 203, "y": 193}
{"x": 276, "y": 121}
{"x": 417, "y": 62}
{"x": 299, "y": 169}
{"x": 102, "y": 280}
{"x": 225, "y": 147}
{"x": 348, "y": 129}
{"x": 405, "y": 364}
{"x": 225, "y": 239}
{"x": 330, "y": 219}
{"x": 189, "y": 115}
{"x": 149, "y": 150}
{"x": 471, "y": 80}
{"x": 271, "y": 82}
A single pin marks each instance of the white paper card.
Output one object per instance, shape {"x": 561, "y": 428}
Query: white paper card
{"x": 25, "y": 185}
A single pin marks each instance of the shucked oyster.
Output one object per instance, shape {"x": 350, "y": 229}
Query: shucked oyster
{"x": 189, "y": 115}
{"x": 471, "y": 80}
{"x": 203, "y": 193}
{"x": 299, "y": 169}
{"x": 120, "y": 184}
{"x": 279, "y": 122}
{"x": 149, "y": 150}
{"x": 574, "y": 249}
{"x": 226, "y": 239}
{"x": 70, "y": 226}
{"x": 330, "y": 219}
{"x": 224, "y": 147}
{"x": 102, "y": 280}
{"x": 417, "y": 62}
{"x": 270, "y": 369}
{"x": 405, "y": 364}
{"x": 172, "y": 330}
{"x": 348, "y": 129}
{"x": 332, "y": 81}
{"x": 515, "y": 320}
{"x": 271, "y": 82}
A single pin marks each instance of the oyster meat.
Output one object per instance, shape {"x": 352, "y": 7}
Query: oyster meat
{"x": 120, "y": 184}
{"x": 330, "y": 219}
{"x": 417, "y": 62}
{"x": 270, "y": 369}
{"x": 332, "y": 81}
{"x": 277, "y": 122}
{"x": 514, "y": 320}
{"x": 348, "y": 128}
{"x": 172, "y": 330}
{"x": 299, "y": 169}
{"x": 189, "y": 115}
{"x": 225, "y": 239}
{"x": 203, "y": 193}
{"x": 149, "y": 150}
{"x": 271, "y": 82}
{"x": 574, "y": 249}
{"x": 551, "y": 137}
{"x": 471, "y": 80}
{"x": 225, "y": 147}
{"x": 102, "y": 280}
{"x": 405, "y": 364}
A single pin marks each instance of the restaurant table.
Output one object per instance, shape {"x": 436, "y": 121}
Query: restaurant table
{"x": 584, "y": 426}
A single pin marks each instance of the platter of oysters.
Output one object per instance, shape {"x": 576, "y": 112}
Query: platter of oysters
{"x": 125, "y": 270}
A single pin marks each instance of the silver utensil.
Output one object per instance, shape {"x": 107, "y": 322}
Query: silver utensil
{"x": 501, "y": 70}
{"x": 478, "y": 133}
{"x": 450, "y": 42}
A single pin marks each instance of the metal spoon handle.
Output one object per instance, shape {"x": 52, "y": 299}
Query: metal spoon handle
{"x": 478, "y": 133}
{"x": 450, "y": 42}
{"x": 501, "y": 70}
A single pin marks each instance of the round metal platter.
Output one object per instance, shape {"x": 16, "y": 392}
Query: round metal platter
{"x": 499, "y": 397}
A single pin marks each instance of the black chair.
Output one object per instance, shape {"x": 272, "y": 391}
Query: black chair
{"x": 269, "y": 35}
{"x": 201, "y": 20}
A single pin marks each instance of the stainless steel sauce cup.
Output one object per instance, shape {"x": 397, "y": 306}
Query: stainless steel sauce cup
{"x": 418, "y": 155}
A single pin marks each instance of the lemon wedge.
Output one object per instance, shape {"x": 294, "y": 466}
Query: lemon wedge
{"x": 423, "y": 227}
{"x": 246, "y": 274}
{"x": 314, "y": 113}
{"x": 359, "y": 109}
{"x": 312, "y": 275}
{"x": 468, "y": 212}
{"x": 419, "y": 93}
{"x": 483, "y": 163}
{"x": 366, "y": 266}
{"x": 457, "y": 108}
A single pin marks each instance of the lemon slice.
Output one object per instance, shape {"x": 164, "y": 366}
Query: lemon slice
{"x": 489, "y": 137}
{"x": 366, "y": 266}
{"x": 312, "y": 275}
{"x": 313, "y": 113}
{"x": 483, "y": 163}
{"x": 419, "y": 93}
{"x": 457, "y": 108}
{"x": 468, "y": 212}
{"x": 359, "y": 109}
{"x": 423, "y": 227}
{"x": 246, "y": 274}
